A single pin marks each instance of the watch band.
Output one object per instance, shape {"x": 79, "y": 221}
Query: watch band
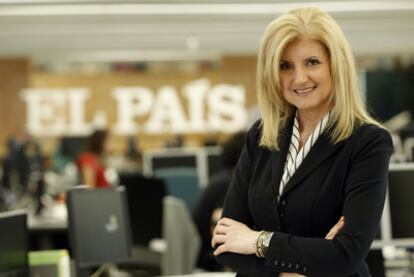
{"x": 262, "y": 243}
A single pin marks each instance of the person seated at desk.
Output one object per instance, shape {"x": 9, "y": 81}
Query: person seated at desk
{"x": 91, "y": 169}
{"x": 210, "y": 202}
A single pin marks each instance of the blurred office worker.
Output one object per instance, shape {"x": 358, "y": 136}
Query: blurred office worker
{"x": 90, "y": 165}
{"x": 309, "y": 187}
{"x": 210, "y": 201}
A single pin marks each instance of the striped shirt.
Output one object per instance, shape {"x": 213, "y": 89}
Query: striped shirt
{"x": 295, "y": 155}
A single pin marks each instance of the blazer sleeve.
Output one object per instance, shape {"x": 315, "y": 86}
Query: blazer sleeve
{"x": 236, "y": 207}
{"x": 365, "y": 191}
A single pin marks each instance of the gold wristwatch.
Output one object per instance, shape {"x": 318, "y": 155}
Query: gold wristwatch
{"x": 262, "y": 243}
{"x": 266, "y": 240}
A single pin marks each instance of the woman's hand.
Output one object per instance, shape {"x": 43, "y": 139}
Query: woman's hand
{"x": 233, "y": 236}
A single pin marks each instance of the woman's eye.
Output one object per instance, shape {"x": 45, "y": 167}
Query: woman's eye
{"x": 313, "y": 62}
{"x": 284, "y": 66}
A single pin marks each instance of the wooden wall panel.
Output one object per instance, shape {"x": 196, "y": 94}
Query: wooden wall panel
{"x": 14, "y": 76}
{"x": 232, "y": 70}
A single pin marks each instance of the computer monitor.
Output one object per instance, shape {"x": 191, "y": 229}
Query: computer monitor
{"x": 174, "y": 160}
{"x": 13, "y": 244}
{"x": 389, "y": 92}
{"x": 207, "y": 161}
{"x": 145, "y": 197}
{"x": 99, "y": 227}
{"x": 401, "y": 203}
{"x": 181, "y": 235}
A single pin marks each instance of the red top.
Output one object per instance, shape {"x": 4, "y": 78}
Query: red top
{"x": 90, "y": 159}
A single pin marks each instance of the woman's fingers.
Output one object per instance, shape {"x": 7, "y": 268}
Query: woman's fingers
{"x": 234, "y": 236}
{"x": 227, "y": 221}
{"x": 336, "y": 229}
{"x": 217, "y": 239}
{"x": 220, "y": 230}
{"x": 221, "y": 249}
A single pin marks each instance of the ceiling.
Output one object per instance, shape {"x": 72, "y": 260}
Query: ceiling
{"x": 95, "y": 31}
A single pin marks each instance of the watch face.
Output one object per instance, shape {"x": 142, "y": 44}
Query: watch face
{"x": 267, "y": 239}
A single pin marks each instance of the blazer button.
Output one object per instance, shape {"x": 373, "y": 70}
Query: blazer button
{"x": 276, "y": 263}
{"x": 283, "y": 264}
{"x": 283, "y": 203}
{"x": 289, "y": 265}
{"x": 305, "y": 269}
{"x": 282, "y": 215}
{"x": 297, "y": 266}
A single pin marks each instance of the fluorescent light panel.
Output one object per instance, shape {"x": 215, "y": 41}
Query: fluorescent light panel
{"x": 200, "y": 9}
{"x": 125, "y": 56}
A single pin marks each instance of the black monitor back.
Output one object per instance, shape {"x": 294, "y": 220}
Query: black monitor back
{"x": 14, "y": 244}
{"x": 215, "y": 163}
{"x": 99, "y": 227}
{"x": 401, "y": 199}
{"x": 145, "y": 206}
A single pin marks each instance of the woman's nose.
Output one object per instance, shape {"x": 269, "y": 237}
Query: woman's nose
{"x": 301, "y": 76}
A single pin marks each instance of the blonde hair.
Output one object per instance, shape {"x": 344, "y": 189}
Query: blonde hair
{"x": 348, "y": 111}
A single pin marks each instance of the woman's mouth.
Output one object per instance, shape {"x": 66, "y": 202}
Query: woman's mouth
{"x": 304, "y": 91}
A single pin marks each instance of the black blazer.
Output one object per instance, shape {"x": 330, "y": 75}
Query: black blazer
{"x": 348, "y": 178}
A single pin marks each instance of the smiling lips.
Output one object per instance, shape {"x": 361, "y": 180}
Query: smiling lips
{"x": 305, "y": 91}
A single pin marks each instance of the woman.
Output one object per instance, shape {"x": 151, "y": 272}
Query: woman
{"x": 314, "y": 158}
{"x": 91, "y": 169}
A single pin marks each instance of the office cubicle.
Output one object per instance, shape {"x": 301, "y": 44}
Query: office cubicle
{"x": 181, "y": 236}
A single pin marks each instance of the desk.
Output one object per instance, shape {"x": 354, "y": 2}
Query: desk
{"x": 48, "y": 230}
{"x": 54, "y": 218}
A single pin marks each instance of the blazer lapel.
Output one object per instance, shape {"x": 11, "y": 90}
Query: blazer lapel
{"x": 321, "y": 150}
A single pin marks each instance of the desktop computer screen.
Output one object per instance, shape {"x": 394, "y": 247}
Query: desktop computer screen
{"x": 401, "y": 201}
{"x": 13, "y": 244}
{"x": 179, "y": 160}
{"x": 99, "y": 227}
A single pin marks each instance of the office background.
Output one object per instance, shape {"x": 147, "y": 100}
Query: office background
{"x": 105, "y": 44}
{"x": 100, "y": 46}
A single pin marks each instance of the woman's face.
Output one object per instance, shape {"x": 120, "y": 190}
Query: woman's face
{"x": 304, "y": 73}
